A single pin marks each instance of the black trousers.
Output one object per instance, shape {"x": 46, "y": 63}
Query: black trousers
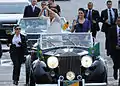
{"x": 17, "y": 59}
{"x": 116, "y": 59}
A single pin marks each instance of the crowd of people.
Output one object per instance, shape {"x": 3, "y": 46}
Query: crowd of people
{"x": 87, "y": 21}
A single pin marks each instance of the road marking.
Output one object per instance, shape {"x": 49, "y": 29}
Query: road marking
{"x": 6, "y": 62}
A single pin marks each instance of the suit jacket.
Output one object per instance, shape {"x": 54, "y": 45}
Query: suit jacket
{"x": 112, "y": 39}
{"x": 28, "y": 12}
{"x": 23, "y": 44}
{"x": 104, "y": 17}
{"x": 96, "y": 17}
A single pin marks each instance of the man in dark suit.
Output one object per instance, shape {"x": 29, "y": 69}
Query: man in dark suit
{"x": 94, "y": 17}
{"x": 114, "y": 45}
{"x": 32, "y": 10}
{"x": 108, "y": 18}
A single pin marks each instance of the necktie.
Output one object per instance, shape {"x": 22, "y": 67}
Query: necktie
{"x": 33, "y": 8}
{"x": 111, "y": 19}
{"x": 90, "y": 15}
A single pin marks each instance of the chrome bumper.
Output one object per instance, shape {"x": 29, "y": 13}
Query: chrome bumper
{"x": 96, "y": 84}
{"x": 86, "y": 84}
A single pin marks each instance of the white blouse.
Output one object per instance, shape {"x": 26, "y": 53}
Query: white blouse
{"x": 16, "y": 39}
{"x": 55, "y": 25}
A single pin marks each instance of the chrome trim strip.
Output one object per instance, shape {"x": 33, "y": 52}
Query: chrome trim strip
{"x": 96, "y": 84}
{"x": 86, "y": 84}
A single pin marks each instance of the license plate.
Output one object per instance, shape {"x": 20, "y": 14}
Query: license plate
{"x": 71, "y": 83}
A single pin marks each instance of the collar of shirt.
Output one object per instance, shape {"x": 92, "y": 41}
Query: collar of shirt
{"x": 17, "y": 36}
{"x": 16, "y": 39}
{"x": 109, "y": 9}
{"x": 33, "y": 7}
{"x": 88, "y": 12}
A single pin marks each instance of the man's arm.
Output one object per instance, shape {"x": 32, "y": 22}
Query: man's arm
{"x": 103, "y": 18}
{"x": 116, "y": 14}
{"x": 97, "y": 17}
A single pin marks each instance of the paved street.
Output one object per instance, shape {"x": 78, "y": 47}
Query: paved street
{"x": 69, "y": 11}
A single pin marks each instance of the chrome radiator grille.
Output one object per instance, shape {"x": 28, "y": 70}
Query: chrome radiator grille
{"x": 69, "y": 63}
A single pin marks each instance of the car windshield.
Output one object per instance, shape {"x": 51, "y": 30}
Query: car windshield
{"x": 34, "y": 25}
{"x": 37, "y": 24}
{"x": 12, "y": 7}
{"x": 65, "y": 40}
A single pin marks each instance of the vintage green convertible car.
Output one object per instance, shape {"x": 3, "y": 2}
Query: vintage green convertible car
{"x": 66, "y": 59}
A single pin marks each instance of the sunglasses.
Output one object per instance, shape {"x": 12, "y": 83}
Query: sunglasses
{"x": 17, "y": 28}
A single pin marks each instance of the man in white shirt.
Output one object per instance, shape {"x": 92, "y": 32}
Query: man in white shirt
{"x": 94, "y": 17}
{"x": 108, "y": 18}
{"x": 114, "y": 46}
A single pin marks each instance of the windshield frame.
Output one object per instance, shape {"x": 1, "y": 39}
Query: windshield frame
{"x": 40, "y": 41}
{"x": 43, "y": 18}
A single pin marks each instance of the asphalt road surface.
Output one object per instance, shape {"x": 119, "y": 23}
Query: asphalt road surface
{"x": 69, "y": 11}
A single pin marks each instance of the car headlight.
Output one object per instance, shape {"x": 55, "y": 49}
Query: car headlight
{"x": 86, "y": 61}
{"x": 52, "y": 62}
{"x": 70, "y": 75}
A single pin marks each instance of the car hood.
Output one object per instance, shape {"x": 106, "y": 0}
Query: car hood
{"x": 10, "y": 17}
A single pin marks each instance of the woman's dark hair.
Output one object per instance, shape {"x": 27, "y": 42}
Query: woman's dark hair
{"x": 16, "y": 26}
{"x": 82, "y": 9}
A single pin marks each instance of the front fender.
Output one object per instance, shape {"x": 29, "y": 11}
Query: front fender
{"x": 39, "y": 74}
{"x": 98, "y": 69}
